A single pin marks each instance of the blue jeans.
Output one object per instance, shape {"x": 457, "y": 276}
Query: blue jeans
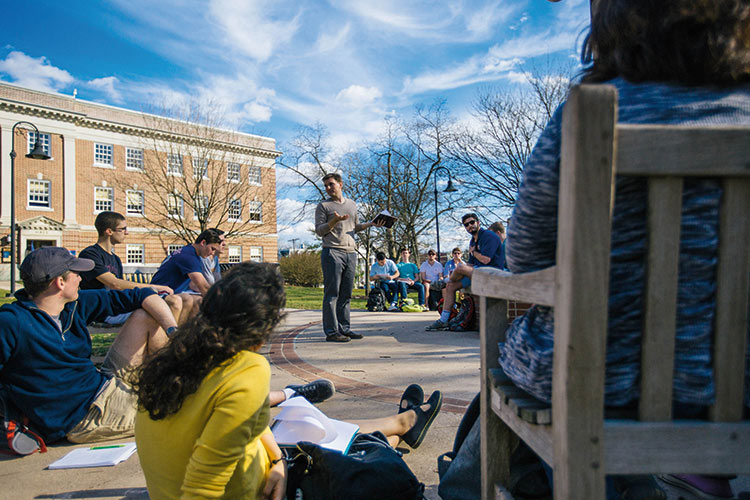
{"x": 403, "y": 287}
{"x": 390, "y": 288}
{"x": 338, "y": 283}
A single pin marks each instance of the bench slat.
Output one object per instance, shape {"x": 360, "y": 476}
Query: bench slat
{"x": 537, "y": 287}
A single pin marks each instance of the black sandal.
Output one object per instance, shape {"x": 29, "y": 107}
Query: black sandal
{"x": 412, "y": 396}
{"x": 414, "y": 436}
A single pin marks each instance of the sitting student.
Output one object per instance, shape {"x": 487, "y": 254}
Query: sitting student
{"x": 202, "y": 429}
{"x": 183, "y": 269}
{"x": 452, "y": 264}
{"x": 385, "y": 271}
{"x": 431, "y": 271}
{"x": 107, "y": 271}
{"x": 673, "y": 63}
{"x": 408, "y": 278}
{"x": 484, "y": 250}
{"x": 499, "y": 229}
{"x": 211, "y": 267}
{"x": 45, "y": 349}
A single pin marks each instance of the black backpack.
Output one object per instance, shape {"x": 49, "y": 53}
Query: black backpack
{"x": 376, "y": 300}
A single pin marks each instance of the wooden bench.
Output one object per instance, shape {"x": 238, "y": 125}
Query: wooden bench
{"x": 573, "y": 435}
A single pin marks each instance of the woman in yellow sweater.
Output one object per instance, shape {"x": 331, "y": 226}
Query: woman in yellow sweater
{"x": 204, "y": 432}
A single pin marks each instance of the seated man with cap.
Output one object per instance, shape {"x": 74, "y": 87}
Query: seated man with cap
{"x": 45, "y": 349}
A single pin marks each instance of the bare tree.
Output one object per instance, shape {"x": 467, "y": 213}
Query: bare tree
{"x": 193, "y": 174}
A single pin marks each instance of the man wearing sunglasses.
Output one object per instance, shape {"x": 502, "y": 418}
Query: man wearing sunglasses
{"x": 485, "y": 249}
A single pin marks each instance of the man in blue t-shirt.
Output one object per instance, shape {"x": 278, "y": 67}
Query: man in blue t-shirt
{"x": 485, "y": 250}
{"x": 183, "y": 269}
{"x": 408, "y": 279}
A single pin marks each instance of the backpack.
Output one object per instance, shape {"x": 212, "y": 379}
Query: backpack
{"x": 20, "y": 439}
{"x": 466, "y": 317}
{"x": 376, "y": 300}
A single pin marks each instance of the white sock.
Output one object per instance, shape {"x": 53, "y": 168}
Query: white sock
{"x": 445, "y": 316}
{"x": 288, "y": 392}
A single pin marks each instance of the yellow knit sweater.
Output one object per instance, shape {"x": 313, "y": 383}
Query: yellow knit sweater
{"x": 211, "y": 448}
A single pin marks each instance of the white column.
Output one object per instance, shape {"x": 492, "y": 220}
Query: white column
{"x": 69, "y": 179}
{"x": 7, "y": 145}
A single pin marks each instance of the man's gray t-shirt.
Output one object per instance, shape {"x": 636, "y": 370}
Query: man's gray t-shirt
{"x": 342, "y": 235}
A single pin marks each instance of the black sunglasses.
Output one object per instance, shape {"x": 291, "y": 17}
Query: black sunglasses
{"x": 469, "y": 223}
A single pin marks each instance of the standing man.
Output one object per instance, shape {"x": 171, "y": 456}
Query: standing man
{"x": 336, "y": 223}
{"x": 485, "y": 250}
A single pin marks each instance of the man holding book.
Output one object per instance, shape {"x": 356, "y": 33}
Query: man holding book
{"x": 336, "y": 222}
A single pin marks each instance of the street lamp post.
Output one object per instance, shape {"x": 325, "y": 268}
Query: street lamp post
{"x": 448, "y": 189}
{"x": 36, "y": 153}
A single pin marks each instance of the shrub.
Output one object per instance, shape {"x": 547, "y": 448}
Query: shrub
{"x": 302, "y": 269}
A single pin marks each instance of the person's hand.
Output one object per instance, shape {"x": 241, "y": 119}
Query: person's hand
{"x": 338, "y": 218}
{"x": 379, "y": 223}
{"x": 275, "y": 487}
{"x": 162, "y": 289}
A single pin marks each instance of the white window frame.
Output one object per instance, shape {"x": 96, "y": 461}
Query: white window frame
{"x": 255, "y": 175}
{"x": 134, "y": 159}
{"x": 234, "y": 254}
{"x": 104, "y": 155}
{"x": 197, "y": 168}
{"x": 200, "y": 199}
{"x": 231, "y": 210}
{"x": 174, "y": 164}
{"x": 255, "y": 211}
{"x": 110, "y": 199}
{"x": 256, "y": 254}
{"x": 177, "y": 206}
{"x": 128, "y": 210}
{"x": 173, "y": 248}
{"x": 44, "y": 138}
{"x": 234, "y": 172}
{"x": 38, "y": 196}
{"x": 133, "y": 249}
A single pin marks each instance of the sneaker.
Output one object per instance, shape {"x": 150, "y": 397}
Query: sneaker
{"x": 425, "y": 308}
{"x": 703, "y": 487}
{"x": 315, "y": 392}
{"x": 393, "y": 308}
{"x": 437, "y": 325}
{"x": 353, "y": 335}
{"x": 337, "y": 337}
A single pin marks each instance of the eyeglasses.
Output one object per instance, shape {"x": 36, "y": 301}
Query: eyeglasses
{"x": 430, "y": 253}
{"x": 469, "y": 223}
{"x": 121, "y": 229}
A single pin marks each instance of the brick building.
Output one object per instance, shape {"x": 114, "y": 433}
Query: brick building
{"x": 147, "y": 167}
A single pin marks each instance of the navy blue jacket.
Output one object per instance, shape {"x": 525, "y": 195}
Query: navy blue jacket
{"x": 48, "y": 374}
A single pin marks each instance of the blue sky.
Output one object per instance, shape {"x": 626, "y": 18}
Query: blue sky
{"x": 272, "y": 65}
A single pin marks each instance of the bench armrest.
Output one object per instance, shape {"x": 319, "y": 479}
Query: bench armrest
{"x": 537, "y": 287}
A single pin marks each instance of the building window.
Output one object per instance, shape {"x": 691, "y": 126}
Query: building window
{"x": 256, "y": 254}
{"x": 254, "y": 175}
{"x": 43, "y": 139}
{"x": 133, "y": 159}
{"x": 133, "y": 254}
{"x": 254, "y": 211}
{"x": 172, "y": 248}
{"x": 174, "y": 164}
{"x": 235, "y": 210}
{"x": 175, "y": 205}
{"x": 133, "y": 202}
{"x": 103, "y": 155}
{"x": 103, "y": 199}
{"x": 200, "y": 168}
{"x": 235, "y": 254}
{"x": 233, "y": 172}
{"x": 200, "y": 207}
{"x": 38, "y": 194}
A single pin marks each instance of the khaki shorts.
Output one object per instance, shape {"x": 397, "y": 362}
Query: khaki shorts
{"x": 112, "y": 414}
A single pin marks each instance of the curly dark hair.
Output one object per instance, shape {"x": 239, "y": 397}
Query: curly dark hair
{"x": 692, "y": 42}
{"x": 238, "y": 313}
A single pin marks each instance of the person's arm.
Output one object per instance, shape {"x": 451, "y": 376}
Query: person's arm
{"x": 198, "y": 282}
{"x": 275, "y": 487}
{"x": 160, "y": 311}
{"x": 324, "y": 225}
{"x": 112, "y": 282}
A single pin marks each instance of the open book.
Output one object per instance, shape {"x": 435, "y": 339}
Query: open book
{"x": 301, "y": 421}
{"x": 385, "y": 216}
{"x": 95, "y": 456}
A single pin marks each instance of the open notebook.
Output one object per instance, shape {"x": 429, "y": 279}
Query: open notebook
{"x": 301, "y": 421}
{"x": 95, "y": 456}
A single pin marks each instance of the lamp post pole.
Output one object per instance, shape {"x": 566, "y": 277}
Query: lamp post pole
{"x": 449, "y": 189}
{"x": 36, "y": 153}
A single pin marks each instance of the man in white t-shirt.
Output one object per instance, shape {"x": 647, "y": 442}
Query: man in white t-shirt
{"x": 431, "y": 273}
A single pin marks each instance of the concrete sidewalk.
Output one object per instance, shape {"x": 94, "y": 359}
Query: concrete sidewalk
{"x": 370, "y": 375}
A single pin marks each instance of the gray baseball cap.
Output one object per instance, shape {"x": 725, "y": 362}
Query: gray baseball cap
{"x": 50, "y": 262}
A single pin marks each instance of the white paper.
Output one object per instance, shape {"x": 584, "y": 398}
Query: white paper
{"x": 95, "y": 456}
{"x": 301, "y": 421}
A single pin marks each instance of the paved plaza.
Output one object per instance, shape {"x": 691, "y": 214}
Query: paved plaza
{"x": 369, "y": 374}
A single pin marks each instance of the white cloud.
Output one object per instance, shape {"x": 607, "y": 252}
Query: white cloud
{"x": 474, "y": 70}
{"x": 357, "y": 95}
{"x": 34, "y": 73}
{"x": 481, "y": 22}
{"x": 107, "y": 85}
{"x": 330, "y": 41}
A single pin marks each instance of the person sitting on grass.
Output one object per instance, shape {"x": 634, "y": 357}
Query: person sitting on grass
{"x": 385, "y": 272}
{"x": 409, "y": 278}
{"x": 202, "y": 429}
